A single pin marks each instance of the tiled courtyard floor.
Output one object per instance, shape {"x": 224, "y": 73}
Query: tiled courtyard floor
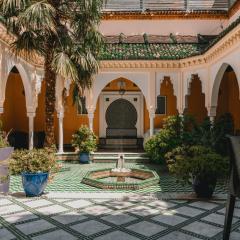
{"x": 72, "y": 210}
{"x": 129, "y": 218}
{"x": 69, "y": 179}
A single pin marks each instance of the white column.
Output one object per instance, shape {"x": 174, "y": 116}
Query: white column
{"x": 151, "y": 116}
{"x": 90, "y": 118}
{"x": 212, "y": 112}
{"x": 31, "y": 116}
{"x": 60, "y": 131}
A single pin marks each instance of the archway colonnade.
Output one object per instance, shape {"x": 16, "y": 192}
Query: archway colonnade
{"x": 207, "y": 70}
{"x": 187, "y": 97}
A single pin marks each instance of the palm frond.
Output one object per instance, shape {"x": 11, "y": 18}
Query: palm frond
{"x": 27, "y": 44}
{"x": 64, "y": 66}
{"x": 39, "y": 16}
{"x": 12, "y": 6}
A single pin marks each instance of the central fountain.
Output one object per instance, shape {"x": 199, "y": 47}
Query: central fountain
{"x": 120, "y": 172}
{"x": 121, "y": 177}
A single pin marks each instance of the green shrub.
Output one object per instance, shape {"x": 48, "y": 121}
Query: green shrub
{"x": 175, "y": 132}
{"x": 184, "y": 131}
{"x": 34, "y": 161}
{"x": 84, "y": 140}
{"x": 158, "y": 145}
{"x": 3, "y": 138}
{"x": 188, "y": 162}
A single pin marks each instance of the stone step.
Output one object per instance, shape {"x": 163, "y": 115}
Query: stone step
{"x": 105, "y": 157}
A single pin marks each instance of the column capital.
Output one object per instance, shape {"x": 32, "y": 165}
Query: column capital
{"x": 151, "y": 112}
{"x": 90, "y": 110}
{"x": 60, "y": 114}
{"x": 91, "y": 115}
{"x": 31, "y": 114}
{"x": 212, "y": 111}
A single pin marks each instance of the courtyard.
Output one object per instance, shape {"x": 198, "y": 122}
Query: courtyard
{"x": 119, "y": 120}
{"x": 70, "y": 210}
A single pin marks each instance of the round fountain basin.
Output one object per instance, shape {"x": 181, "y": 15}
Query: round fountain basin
{"x": 130, "y": 180}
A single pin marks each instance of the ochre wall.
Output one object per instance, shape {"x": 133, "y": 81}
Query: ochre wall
{"x": 166, "y": 89}
{"x": 228, "y": 98}
{"x": 15, "y": 113}
{"x": 196, "y": 100}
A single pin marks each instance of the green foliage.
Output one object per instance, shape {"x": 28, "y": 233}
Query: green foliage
{"x": 175, "y": 132}
{"x": 34, "y": 161}
{"x": 3, "y": 138}
{"x": 84, "y": 140}
{"x": 188, "y": 162}
{"x": 184, "y": 131}
{"x": 64, "y": 32}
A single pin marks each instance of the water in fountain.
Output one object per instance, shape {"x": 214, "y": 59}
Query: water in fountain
{"x": 120, "y": 165}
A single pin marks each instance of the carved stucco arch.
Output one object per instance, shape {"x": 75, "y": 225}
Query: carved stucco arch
{"x": 218, "y": 79}
{"x": 102, "y": 79}
{"x": 25, "y": 80}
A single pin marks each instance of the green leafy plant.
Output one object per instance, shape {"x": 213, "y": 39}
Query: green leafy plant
{"x": 3, "y": 138}
{"x": 186, "y": 163}
{"x": 176, "y": 131}
{"x": 4, "y": 179}
{"x": 34, "y": 161}
{"x": 84, "y": 140}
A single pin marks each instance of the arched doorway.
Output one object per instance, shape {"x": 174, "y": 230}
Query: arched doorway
{"x": 14, "y": 117}
{"x": 121, "y": 115}
{"x": 228, "y": 97}
{"x": 121, "y": 118}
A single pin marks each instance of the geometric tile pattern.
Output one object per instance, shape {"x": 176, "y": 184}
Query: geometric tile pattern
{"x": 69, "y": 180}
{"x": 136, "y": 218}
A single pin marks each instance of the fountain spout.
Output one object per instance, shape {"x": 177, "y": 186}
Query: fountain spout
{"x": 120, "y": 165}
{"x": 120, "y": 162}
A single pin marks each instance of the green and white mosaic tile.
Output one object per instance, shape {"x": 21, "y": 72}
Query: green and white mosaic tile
{"x": 69, "y": 180}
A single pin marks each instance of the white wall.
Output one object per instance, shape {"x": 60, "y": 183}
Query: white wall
{"x": 162, "y": 27}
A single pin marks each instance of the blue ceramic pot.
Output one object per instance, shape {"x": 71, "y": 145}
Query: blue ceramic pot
{"x": 34, "y": 183}
{"x": 84, "y": 158}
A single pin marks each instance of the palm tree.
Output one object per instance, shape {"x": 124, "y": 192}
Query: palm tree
{"x": 65, "y": 34}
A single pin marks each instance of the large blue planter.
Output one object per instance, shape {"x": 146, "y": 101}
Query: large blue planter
{"x": 34, "y": 183}
{"x": 84, "y": 158}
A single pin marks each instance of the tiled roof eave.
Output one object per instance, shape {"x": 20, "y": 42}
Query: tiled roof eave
{"x": 7, "y": 38}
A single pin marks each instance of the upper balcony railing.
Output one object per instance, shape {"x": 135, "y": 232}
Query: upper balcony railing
{"x": 166, "y": 5}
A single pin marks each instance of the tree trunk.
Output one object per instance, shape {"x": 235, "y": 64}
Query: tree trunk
{"x": 50, "y": 99}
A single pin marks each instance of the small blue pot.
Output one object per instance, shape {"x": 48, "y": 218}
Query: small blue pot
{"x": 34, "y": 183}
{"x": 84, "y": 158}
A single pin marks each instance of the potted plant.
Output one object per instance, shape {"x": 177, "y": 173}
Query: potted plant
{"x": 198, "y": 166}
{"x": 36, "y": 166}
{"x": 85, "y": 142}
{"x": 5, "y": 153}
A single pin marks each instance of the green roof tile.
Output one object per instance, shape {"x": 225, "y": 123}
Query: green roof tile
{"x": 161, "y": 51}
